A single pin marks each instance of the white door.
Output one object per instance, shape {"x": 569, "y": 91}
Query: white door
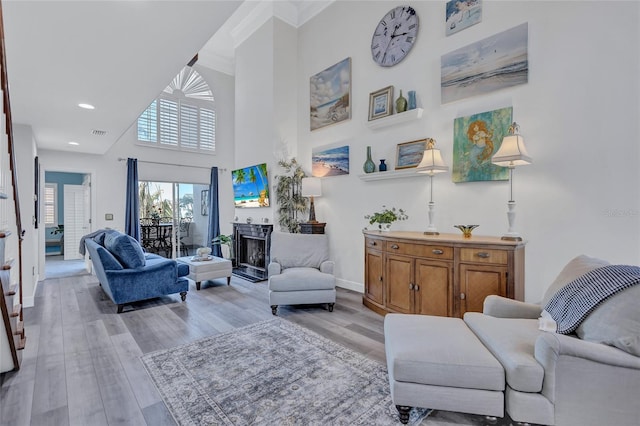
{"x": 76, "y": 219}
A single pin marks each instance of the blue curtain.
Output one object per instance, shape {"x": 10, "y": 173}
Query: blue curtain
{"x": 214, "y": 213}
{"x": 131, "y": 218}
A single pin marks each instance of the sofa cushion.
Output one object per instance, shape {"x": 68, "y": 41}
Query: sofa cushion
{"x": 512, "y": 342}
{"x": 126, "y": 249}
{"x": 615, "y": 322}
{"x": 301, "y": 279}
{"x": 576, "y": 267}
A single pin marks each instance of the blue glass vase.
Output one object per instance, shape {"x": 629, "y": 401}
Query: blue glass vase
{"x": 412, "y": 99}
{"x": 383, "y": 166}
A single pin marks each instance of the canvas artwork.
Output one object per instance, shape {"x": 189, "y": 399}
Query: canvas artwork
{"x": 409, "y": 154}
{"x": 461, "y": 14}
{"x": 330, "y": 161}
{"x": 497, "y": 62}
{"x": 330, "y": 95}
{"x": 475, "y": 139}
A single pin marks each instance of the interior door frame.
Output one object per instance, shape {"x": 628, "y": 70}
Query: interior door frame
{"x": 41, "y": 229}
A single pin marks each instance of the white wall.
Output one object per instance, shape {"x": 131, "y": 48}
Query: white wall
{"x": 25, "y": 152}
{"x": 578, "y": 113}
{"x": 266, "y": 106}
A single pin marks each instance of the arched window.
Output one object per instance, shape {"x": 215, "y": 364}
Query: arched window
{"x": 183, "y": 117}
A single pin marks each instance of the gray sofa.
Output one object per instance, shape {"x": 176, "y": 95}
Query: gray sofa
{"x": 590, "y": 377}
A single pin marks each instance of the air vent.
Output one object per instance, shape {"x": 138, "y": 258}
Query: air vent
{"x": 97, "y": 132}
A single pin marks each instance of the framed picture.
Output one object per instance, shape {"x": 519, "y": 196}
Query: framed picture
{"x": 475, "y": 139}
{"x": 326, "y": 161}
{"x": 204, "y": 202}
{"x": 330, "y": 93}
{"x": 494, "y": 63}
{"x": 380, "y": 103}
{"x": 462, "y": 14}
{"x": 409, "y": 154}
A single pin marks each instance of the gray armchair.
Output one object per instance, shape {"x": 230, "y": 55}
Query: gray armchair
{"x": 591, "y": 377}
{"x": 300, "y": 271}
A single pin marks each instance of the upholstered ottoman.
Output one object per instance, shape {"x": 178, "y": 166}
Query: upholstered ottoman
{"x": 203, "y": 270}
{"x": 437, "y": 362}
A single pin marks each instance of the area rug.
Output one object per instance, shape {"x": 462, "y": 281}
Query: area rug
{"x": 272, "y": 373}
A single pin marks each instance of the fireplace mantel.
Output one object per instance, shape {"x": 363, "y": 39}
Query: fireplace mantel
{"x": 252, "y": 244}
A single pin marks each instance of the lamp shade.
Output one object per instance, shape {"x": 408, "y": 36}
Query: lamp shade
{"x": 432, "y": 162}
{"x": 311, "y": 187}
{"x": 512, "y": 151}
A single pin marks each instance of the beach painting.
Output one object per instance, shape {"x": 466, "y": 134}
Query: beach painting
{"x": 461, "y": 14}
{"x": 476, "y": 139}
{"x": 497, "y": 62}
{"x": 330, "y": 93}
{"x": 330, "y": 161}
{"x": 409, "y": 154}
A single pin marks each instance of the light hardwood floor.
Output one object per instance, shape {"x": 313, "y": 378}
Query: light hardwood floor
{"x": 81, "y": 364}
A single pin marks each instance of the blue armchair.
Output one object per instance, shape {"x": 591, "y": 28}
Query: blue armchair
{"x": 127, "y": 274}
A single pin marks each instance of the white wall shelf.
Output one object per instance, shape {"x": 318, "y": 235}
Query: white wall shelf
{"x": 392, "y": 174}
{"x": 403, "y": 117}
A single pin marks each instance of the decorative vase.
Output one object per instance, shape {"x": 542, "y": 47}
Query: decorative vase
{"x": 412, "y": 99}
{"x": 369, "y": 165}
{"x": 384, "y": 226}
{"x": 401, "y": 103}
{"x": 466, "y": 229}
{"x": 382, "y": 167}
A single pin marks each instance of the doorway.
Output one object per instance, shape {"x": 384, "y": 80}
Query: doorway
{"x": 66, "y": 218}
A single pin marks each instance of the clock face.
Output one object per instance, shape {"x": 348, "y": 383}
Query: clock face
{"x": 394, "y": 36}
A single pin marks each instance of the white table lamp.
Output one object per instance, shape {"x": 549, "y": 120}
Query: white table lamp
{"x": 431, "y": 164}
{"x": 512, "y": 153}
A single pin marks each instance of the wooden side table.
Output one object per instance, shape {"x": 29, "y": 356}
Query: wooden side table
{"x": 312, "y": 228}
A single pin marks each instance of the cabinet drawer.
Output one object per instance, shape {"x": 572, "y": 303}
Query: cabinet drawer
{"x": 373, "y": 243}
{"x": 480, "y": 255}
{"x": 419, "y": 250}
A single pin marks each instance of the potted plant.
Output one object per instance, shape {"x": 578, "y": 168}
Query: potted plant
{"x": 225, "y": 240}
{"x": 386, "y": 217}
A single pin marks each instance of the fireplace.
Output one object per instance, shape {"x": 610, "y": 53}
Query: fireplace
{"x": 252, "y": 243}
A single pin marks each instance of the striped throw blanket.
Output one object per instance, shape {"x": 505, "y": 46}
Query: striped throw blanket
{"x": 575, "y": 301}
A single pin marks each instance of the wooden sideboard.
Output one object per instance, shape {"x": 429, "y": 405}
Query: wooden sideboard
{"x": 445, "y": 275}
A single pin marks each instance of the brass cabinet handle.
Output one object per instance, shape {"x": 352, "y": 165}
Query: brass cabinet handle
{"x": 410, "y": 286}
{"x": 395, "y": 247}
{"x": 437, "y": 251}
{"x": 462, "y": 296}
{"x": 483, "y": 254}
{"x": 372, "y": 243}
{"x": 380, "y": 278}
{"x": 416, "y": 287}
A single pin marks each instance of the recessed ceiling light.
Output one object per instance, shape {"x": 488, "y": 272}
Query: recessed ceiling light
{"x": 86, "y": 106}
{"x": 74, "y": 143}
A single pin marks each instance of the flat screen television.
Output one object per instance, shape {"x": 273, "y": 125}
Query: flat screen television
{"x": 250, "y": 186}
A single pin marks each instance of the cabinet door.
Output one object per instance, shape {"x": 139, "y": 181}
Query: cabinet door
{"x": 373, "y": 283}
{"x": 479, "y": 281}
{"x": 433, "y": 291}
{"x": 399, "y": 283}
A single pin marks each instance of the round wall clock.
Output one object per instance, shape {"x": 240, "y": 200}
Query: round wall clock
{"x": 394, "y": 36}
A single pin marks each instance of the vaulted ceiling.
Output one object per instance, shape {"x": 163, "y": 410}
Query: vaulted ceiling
{"x": 117, "y": 56}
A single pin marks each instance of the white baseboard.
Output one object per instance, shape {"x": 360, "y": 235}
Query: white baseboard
{"x": 350, "y": 285}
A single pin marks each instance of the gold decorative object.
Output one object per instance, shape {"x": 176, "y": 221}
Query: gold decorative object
{"x": 466, "y": 229}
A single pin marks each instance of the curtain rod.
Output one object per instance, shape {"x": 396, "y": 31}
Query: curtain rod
{"x": 173, "y": 164}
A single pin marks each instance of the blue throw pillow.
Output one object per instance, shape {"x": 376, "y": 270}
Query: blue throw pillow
{"x": 126, "y": 249}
